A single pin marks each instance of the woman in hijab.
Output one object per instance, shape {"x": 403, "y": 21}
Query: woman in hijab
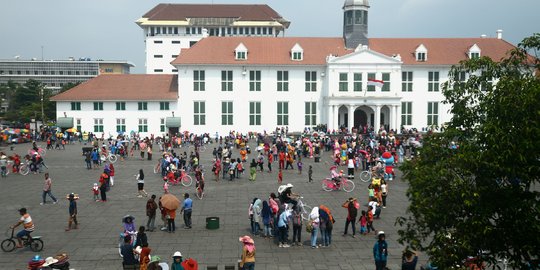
{"x": 266, "y": 215}
{"x": 257, "y": 208}
{"x": 314, "y": 219}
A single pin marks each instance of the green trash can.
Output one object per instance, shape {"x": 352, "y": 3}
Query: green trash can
{"x": 212, "y": 223}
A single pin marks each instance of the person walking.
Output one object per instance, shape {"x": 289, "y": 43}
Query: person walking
{"x": 352, "y": 212}
{"x": 72, "y": 212}
{"x": 310, "y": 174}
{"x": 253, "y": 170}
{"x": 47, "y": 190}
{"x": 187, "y": 209}
{"x": 111, "y": 174}
{"x": 103, "y": 186}
{"x": 140, "y": 184}
{"x": 380, "y": 252}
{"x": 151, "y": 209}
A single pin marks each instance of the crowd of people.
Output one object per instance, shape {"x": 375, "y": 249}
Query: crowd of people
{"x": 274, "y": 153}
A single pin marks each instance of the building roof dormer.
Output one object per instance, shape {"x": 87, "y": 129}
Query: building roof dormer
{"x": 297, "y": 53}
{"x": 241, "y": 52}
{"x": 421, "y": 53}
{"x": 474, "y": 52}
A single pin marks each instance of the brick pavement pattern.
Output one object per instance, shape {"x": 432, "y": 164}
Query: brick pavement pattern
{"x": 94, "y": 244}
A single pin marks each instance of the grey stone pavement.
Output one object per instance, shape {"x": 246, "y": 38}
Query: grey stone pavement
{"x": 94, "y": 244}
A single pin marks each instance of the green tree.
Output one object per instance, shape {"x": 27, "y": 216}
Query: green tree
{"x": 482, "y": 195}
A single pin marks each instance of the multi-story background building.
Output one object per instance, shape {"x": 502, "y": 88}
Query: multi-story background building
{"x": 54, "y": 74}
{"x": 257, "y": 83}
{"x": 169, "y": 28}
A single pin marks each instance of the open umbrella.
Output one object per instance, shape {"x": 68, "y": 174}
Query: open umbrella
{"x": 170, "y": 201}
{"x": 24, "y": 130}
{"x": 72, "y": 130}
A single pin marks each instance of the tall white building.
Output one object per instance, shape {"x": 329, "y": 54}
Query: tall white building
{"x": 169, "y": 28}
{"x": 258, "y": 83}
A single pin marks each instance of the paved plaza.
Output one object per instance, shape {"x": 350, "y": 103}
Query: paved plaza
{"x": 94, "y": 244}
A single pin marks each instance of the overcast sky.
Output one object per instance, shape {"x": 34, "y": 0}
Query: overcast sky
{"x": 106, "y": 29}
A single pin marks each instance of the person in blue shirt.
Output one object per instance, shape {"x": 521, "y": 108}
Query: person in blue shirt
{"x": 380, "y": 252}
{"x": 186, "y": 209}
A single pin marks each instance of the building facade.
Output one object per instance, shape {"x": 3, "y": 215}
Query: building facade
{"x": 169, "y": 28}
{"x": 260, "y": 83}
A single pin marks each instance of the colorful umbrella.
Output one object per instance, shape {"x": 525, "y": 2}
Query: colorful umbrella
{"x": 170, "y": 201}
{"x": 73, "y": 130}
{"x": 24, "y": 130}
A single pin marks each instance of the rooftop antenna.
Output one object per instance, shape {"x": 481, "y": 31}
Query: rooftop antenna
{"x": 42, "y": 53}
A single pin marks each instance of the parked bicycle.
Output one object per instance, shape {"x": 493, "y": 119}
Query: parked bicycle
{"x": 34, "y": 242}
{"x": 24, "y": 169}
{"x": 305, "y": 209}
{"x": 328, "y": 184}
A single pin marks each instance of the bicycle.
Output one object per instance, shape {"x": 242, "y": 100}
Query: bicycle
{"x": 24, "y": 169}
{"x": 347, "y": 185}
{"x": 366, "y": 175}
{"x": 185, "y": 179}
{"x": 34, "y": 242}
{"x": 305, "y": 209}
{"x": 109, "y": 156}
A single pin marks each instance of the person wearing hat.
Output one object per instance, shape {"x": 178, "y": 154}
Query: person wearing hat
{"x": 154, "y": 263}
{"x": 28, "y": 225}
{"x": 49, "y": 261}
{"x": 177, "y": 261}
{"x": 380, "y": 252}
{"x": 72, "y": 212}
{"x": 248, "y": 253}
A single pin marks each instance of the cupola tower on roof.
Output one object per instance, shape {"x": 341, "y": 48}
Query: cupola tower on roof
{"x": 355, "y": 23}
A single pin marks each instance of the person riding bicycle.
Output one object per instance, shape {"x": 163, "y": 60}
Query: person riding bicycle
{"x": 287, "y": 196}
{"x": 335, "y": 176}
{"x": 28, "y": 225}
{"x": 34, "y": 146}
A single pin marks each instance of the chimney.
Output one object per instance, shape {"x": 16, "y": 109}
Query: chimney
{"x": 499, "y": 34}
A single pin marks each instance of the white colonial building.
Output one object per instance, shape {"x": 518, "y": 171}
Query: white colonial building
{"x": 169, "y": 28}
{"x": 259, "y": 83}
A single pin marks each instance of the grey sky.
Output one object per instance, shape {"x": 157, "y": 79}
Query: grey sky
{"x": 105, "y": 29}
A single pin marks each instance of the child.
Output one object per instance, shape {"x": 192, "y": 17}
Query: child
{"x": 363, "y": 223}
{"x": 95, "y": 190}
{"x": 165, "y": 185}
{"x": 299, "y": 165}
{"x": 280, "y": 176}
{"x": 310, "y": 174}
{"x": 370, "y": 220}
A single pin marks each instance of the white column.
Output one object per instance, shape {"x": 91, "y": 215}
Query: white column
{"x": 350, "y": 117}
{"x": 330, "y": 116}
{"x": 396, "y": 117}
{"x": 335, "y": 123}
{"x": 377, "y": 123}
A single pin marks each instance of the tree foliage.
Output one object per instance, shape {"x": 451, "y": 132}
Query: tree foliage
{"x": 482, "y": 195}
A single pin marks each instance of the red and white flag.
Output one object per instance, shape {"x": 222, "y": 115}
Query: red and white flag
{"x": 374, "y": 82}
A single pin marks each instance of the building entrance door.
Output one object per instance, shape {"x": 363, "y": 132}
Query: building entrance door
{"x": 360, "y": 118}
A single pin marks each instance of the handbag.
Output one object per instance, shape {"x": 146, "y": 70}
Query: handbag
{"x": 309, "y": 226}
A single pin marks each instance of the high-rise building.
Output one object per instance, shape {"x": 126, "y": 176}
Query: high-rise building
{"x": 168, "y": 28}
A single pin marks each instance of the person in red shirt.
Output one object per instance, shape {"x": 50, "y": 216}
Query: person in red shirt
{"x": 281, "y": 160}
{"x": 111, "y": 174}
{"x": 144, "y": 256}
{"x": 270, "y": 160}
{"x": 280, "y": 176}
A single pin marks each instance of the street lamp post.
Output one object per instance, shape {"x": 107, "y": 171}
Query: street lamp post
{"x": 42, "y": 111}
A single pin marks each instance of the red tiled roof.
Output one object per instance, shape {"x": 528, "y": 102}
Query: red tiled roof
{"x": 261, "y": 51}
{"x": 174, "y": 12}
{"x": 124, "y": 87}
{"x": 440, "y": 51}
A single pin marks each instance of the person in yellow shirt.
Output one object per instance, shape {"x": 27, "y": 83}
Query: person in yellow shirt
{"x": 248, "y": 253}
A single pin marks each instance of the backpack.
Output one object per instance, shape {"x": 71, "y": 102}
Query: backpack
{"x": 297, "y": 219}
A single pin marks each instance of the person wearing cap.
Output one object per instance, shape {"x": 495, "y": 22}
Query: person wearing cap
{"x": 28, "y": 225}
{"x": 177, "y": 261}
{"x": 72, "y": 212}
{"x": 380, "y": 252}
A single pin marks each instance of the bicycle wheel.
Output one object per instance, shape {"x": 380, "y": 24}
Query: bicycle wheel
{"x": 187, "y": 180}
{"x": 157, "y": 168}
{"x": 348, "y": 185}
{"x": 36, "y": 245}
{"x": 365, "y": 176}
{"x": 42, "y": 151}
{"x": 200, "y": 194}
{"x": 327, "y": 185}
{"x": 8, "y": 245}
{"x": 24, "y": 169}
{"x": 305, "y": 212}
{"x": 113, "y": 158}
